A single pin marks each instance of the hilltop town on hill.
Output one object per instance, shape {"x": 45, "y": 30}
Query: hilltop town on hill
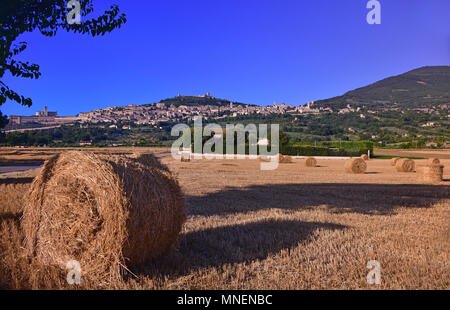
{"x": 153, "y": 114}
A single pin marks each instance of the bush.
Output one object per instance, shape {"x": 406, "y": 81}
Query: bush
{"x": 321, "y": 151}
{"x": 349, "y": 145}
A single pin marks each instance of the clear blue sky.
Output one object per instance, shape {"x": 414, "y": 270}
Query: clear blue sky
{"x": 252, "y": 51}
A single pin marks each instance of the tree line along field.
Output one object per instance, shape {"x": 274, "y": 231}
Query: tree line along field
{"x": 292, "y": 228}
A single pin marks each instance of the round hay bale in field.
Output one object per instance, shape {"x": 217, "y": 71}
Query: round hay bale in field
{"x": 433, "y": 161}
{"x": 185, "y": 157}
{"x": 355, "y": 166}
{"x": 405, "y": 165}
{"x": 104, "y": 211}
{"x": 284, "y": 159}
{"x": 431, "y": 173}
{"x": 310, "y": 162}
{"x": 265, "y": 158}
{"x": 365, "y": 157}
{"x": 394, "y": 161}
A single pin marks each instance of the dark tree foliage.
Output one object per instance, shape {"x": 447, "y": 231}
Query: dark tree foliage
{"x": 46, "y": 16}
{"x": 3, "y": 120}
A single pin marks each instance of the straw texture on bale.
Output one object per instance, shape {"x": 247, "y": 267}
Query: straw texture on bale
{"x": 431, "y": 173}
{"x": 149, "y": 160}
{"x": 405, "y": 165}
{"x": 365, "y": 156}
{"x": 394, "y": 161}
{"x": 433, "y": 161}
{"x": 284, "y": 159}
{"x": 310, "y": 162}
{"x": 106, "y": 212}
{"x": 355, "y": 165}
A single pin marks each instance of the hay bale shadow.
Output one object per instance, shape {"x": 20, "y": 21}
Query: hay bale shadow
{"x": 11, "y": 217}
{"x": 18, "y": 180}
{"x": 370, "y": 199}
{"x": 234, "y": 244}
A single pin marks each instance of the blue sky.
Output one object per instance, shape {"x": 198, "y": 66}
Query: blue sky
{"x": 256, "y": 52}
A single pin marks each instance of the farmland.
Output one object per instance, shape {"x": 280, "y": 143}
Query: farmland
{"x": 291, "y": 228}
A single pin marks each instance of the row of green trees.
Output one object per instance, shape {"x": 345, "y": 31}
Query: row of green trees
{"x": 66, "y": 135}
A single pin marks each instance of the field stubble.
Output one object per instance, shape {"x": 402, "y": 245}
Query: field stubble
{"x": 292, "y": 228}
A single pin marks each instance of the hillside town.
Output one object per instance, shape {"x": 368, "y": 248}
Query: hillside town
{"x": 153, "y": 114}
{"x": 148, "y": 123}
{"x": 162, "y": 112}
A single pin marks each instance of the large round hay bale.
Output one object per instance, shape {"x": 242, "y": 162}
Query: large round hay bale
{"x": 433, "y": 161}
{"x": 104, "y": 211}
{"x": 431, "y": 173}
{"x": 365, "y": 157}
{"x": 310, "y": 162}
{"x": 284, "y": 159}
{"x": 355, "y": 165}
{"x": 394, "y": 161}
{"x": 405, "y": 165}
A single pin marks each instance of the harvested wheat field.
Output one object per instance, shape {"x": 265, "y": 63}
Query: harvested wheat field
{"x": 292, "y": 228}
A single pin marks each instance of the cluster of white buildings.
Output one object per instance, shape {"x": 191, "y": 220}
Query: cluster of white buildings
{"x": 163, "y": 112}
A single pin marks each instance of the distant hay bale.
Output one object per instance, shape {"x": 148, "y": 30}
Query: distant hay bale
{"x": 265, "y": 158}
{"x": 284, "y": 159}
{"x": 185, "y": 157}
{"x": 394, "y": 161}
{"x": 355, "y": 166}
{"x": 405, "y": 165}
{"x": 365, "y": 157}
{"x": 310, "y": 162}
{"x": 104, "y": 211}
{"x": 433, "y": 161}
{"x": 431, "y": 173}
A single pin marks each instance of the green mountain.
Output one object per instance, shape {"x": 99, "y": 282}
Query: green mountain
{"x": 423, "y": 87}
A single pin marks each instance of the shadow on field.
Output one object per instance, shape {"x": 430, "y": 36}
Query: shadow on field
{"x": 10, "y": 216}
{"x": 337, "y": 197}
{"x": 232, "y": 244}
{"x": 15, "y": 180}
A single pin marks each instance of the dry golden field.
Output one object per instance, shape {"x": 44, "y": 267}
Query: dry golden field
{"x": 292, "y": 228}
{"x": 14, "y": 155}
{"x": 442, "y": 154}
